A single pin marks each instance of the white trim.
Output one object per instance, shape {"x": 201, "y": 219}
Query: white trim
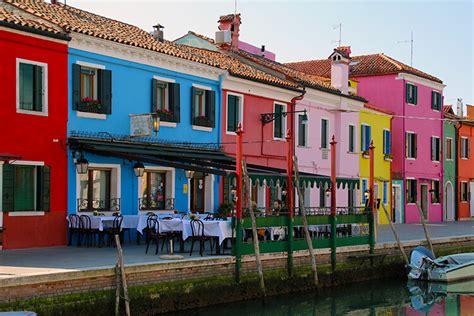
{"x": 306, "y": 130}
{"x": 410, "y": 178}
{"x": 167, "y": 124}
{"x": 169, "y": 80}
{"x": 25, "y": 213}
{"x": 27, "y": 163}
{"x": 460, "y": 148}
{"x": 90, "y": 65}
{"x": 354, "y": 140}
{"x": 422, "y": 81}
{"x": 202, "y": 128}
{"x": 241, "y": 110}
{"x": 89, "y": 115}
{"x": 44, "y": 111}
{"x": 284, "y": 121}
{"x": 198, "y": 86}
{"x": 439, "y": 149}
{"x": 172, "y": 195}
{"x": 406, "y": 140}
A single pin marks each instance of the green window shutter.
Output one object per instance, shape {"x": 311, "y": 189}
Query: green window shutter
{"x": 231, "y": 113}
{"x": 193, "y": 98}
{"x": 175, "y": 101}
{"x": 407, "y": 93}
{"x": 43, "y": 188}
{"x": 211, "y": 107}
{"x": 8, "y": 195}
{"x": 324, "y": 131}
{"x": 414, "y": 146}
{"x": 415, "y": 95}
{"x": 76, "y": 86}
{"x": 26, "y": 87}
{"x": 301, "y": 131}
{"x": 105, "y": 90}
{"x": 278, "y": 122}
{"x": 38, "y": 88}
{"x": 24, "y": 186}
{"x": 154, "y": 101}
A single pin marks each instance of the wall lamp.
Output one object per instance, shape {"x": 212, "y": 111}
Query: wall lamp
{"x": 82, "y": 164}
{"x": 139, "y": 169}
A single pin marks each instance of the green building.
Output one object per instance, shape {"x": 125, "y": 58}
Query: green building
{"x": 450, "y": 160}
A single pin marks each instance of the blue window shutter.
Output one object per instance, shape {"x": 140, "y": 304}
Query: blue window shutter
{"x": 174, "y": 100}
{"x": 105, "y": 90}
{"x": 389, "y": 142}
{"x": 364, "y": 188}
{"x": 367, "y": 137}
{"x": 211, "y": 107}
{"x": 362, "y": 137}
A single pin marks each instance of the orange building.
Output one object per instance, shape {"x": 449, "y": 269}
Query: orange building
{"x": 465, "y": 166}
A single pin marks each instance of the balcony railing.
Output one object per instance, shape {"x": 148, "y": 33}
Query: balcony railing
{"x": 146, "y": 204}
{"x": 86, "y": 205}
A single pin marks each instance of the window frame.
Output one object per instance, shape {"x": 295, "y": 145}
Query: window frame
{"x": 327, "y": 134}
{"x": 90, "y": 189}
{"x": 352, "y": 138}
{"x": 409, "y": 190}
{"x": 387, "y": 134}
{"x": 438, "y": 151}
{"x": 410, "y": 143}
{"x": 436, "y": 95}
{"x": 464, "y": 193}
{"x": 449, "y": 149}
{"x": 436, "y": 193}
{"x": 169, "y": 183}
{"x": 364, "y": 127}
{"x": 364, "y": 186}
{"x": 414, "y": 88}
{"x": 305, "y": 128}
{"x": 284, "y": 120}
{"x": 241, "y": 112}
{"x": 44, "y": 111}
{"x": 385, "y": 192}
{"x": 464, "y": 153}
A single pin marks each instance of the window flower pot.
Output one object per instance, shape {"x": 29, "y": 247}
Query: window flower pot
{"x": 202, "y": 121}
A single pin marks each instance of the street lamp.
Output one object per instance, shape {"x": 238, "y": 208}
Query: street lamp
{"x": 139, "y": 169}
{"x": 156, "y": 122}
{"x": 189, "y": 174}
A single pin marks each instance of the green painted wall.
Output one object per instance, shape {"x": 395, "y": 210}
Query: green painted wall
{"x": 449, "y": 177}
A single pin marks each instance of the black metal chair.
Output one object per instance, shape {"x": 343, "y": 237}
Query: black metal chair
{"x": 115, "y": 229}
{"x": 86, "y": 231}
{"x": 153, "y": 234}
{"x": 197, "y": 230}
{"x": 74, "y": 228}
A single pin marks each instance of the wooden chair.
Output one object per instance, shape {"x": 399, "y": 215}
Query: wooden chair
{"x": 197, "y": 230}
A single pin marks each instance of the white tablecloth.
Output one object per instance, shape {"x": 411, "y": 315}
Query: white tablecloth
{"x": 165, "y": 225}
{"x": 220, "y": 229}
{"x": 101, "y": 222}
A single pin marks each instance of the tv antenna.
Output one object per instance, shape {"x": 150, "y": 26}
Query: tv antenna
{"x": 338, "y": 26}
{"x": 411, "y": 47}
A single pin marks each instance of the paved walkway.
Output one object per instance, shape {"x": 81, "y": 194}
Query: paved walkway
{"x": 22, "y": 262}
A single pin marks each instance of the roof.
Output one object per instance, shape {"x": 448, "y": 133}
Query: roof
{"x": 210, "y": 40}
{"x": 364, "y": 65}
{"x": 378, "y": 109}
{"x": 228, "y": 17}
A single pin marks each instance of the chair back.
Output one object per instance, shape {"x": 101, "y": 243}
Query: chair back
{"x": 85, "y": 222}
{"x": 152, "y": 223}
{"x": 117, "y": 224}
{"x": 74, "y": 221}
{"x": 197, "y": 228}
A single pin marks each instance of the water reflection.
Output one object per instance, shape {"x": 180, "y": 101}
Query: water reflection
{"x": 385, "y": 298}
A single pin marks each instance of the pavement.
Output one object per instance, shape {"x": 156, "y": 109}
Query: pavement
{"x": 38, "y": 261}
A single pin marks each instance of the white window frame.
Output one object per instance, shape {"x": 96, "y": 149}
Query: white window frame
{"x": 466, "y": 151}
{"x": 354, "y": 138}
{"x": 439, "y": 192}
{"x": 327, "y": 133}
{"x": 408, "y": 147}
{"x": 306, "y": 130}
{"x": 439, "y": 148}
{"x": 440, "y": 99}
{"x": 170, "y": 185}
{"x": 44, "y": 111}
{"x": 384, "y": 140}
{"x": 467, "y": 192}
{"x": 406, "y": 189}
{"x": 451, "y": 148}
{"x": 241, "y": 111}
{"x": 284, "y": 119}
{"x": 362, "y": 133}
{"x": 414, "y": 85}
{"x": 97, "y": 116}
{"x": 115, "y": 184}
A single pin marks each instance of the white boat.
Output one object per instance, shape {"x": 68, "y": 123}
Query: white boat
{"x": 424, "y": 266}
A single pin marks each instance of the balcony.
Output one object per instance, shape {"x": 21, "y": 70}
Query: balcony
{"x": 86, "y": 205}
{"x": 146, "y": 204}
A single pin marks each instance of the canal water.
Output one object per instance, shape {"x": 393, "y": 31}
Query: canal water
{"x": 387, "y": 297}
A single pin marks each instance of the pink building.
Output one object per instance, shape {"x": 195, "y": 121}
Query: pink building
{"x": 415, "y": 98}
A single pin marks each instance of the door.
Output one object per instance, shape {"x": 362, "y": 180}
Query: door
{"x": 424, "y": 200}
{"x": 449, "y": 202}
{"x": 397, "y": 204}
{"x": 198, "y": 189}
{"x": 471, "y": 203}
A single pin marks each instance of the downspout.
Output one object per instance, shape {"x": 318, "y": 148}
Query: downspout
{"x": 456, "y": 172}
{"x": 390, "y": 175}
{"x": 293, "y": 108}
{"x": 219, "y": 136}
{"x": 404, "y": 155}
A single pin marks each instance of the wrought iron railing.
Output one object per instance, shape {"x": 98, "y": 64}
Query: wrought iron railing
{"x": 87, "y": 205}
{"x": 146, "y": 204}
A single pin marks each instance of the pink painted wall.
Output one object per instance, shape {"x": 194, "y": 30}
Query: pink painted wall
{"x": 310, "y": 158}
{"x": 256, "y": 50}
{"x": 389, "y": 93}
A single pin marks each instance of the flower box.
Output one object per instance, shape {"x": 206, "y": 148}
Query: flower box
{"x": 91, "y": 106}
{"x": 166, "y": 115}
{"x": 202, "y": 121}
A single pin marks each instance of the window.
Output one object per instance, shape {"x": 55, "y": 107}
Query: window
{"x": 449, "y": 149}
{"x": 464, "y": 148}
{"x": 279, "y": 124}
{"x": 435, "y": 191}
{"x": 365, "y": 187}
{"x": 385, "y": 192}
{"x": 387, "y": 150}
{"x": 411, "y": 93}
{"x": 95, "y": 187}
{"x": 352, "y": 138}
{"x": 411, "y": 191}
{"x": 203, "y": 107}
{"x": 322, "y": 196}
{"x": 92, "y": 89}
{"x": 302, "y": 131}
{"x": 166, "y": 100}
{"x": 410, "y": 145}
{"x": 365, "y": 137}
{"x": 26, "y": 188}
{"x": 436, "y": 100}
{"x": 234, "y": 112}
{"x": 435, "y": 148}
{"x": 351, "y": 198}
{"x": 464, "y": 191}
{"x": 32, "y": 87}
{"x": 324, "y": 134}
{"x": 153, "y": 191}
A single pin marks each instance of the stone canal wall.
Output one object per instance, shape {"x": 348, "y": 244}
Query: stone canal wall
{"x": 171, "y": 286}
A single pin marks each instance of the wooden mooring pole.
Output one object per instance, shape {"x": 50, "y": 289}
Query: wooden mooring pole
{"x": 309, "y": 241}
{"x": 123, "y": 276}
{"x": 427, "y": 234}
{"x": 254, "y": 230}
{"x": 397, "y": 238}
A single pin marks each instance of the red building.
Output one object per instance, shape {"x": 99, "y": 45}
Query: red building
{"x": 465, "y": 166}
{"x": 33, "y": 119}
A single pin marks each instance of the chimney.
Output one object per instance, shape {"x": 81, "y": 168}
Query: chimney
{"x": 231, "y": 22}
{"x": 459, "y": 108}
{"x": 54, "y": 1}
{"x": 470, "y": 111}
{"x": 340, "y": 60}
{"x": 158, "y": 32}
{"x": 263, "y": 50}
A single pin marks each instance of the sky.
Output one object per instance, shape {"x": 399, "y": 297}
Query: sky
{"x": 298, "y": 30}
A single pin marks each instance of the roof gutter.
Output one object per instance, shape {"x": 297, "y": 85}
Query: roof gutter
{"x": 28, "y": 29}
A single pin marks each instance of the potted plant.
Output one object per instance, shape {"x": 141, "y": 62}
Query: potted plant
{"x": 202, "y": 121}
{"x": 388, "y": 157}
{"x": 165, "y": 115}
{"x": 225, "y": 210}
{"x": 91, "y": 105}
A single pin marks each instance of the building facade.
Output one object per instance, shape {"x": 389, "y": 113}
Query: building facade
{"x": 450, "y": 163}
{"x": 465, "y": 165}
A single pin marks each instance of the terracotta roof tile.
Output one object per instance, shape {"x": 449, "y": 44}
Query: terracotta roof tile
{"x": 12, "y": 18}
{"x": 364, "y": 65}
{"x": 378, "y": 109}
{"x": 228, "y": 17}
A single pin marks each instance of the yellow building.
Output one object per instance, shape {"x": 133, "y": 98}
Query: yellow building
{"x": 375, "y": 125}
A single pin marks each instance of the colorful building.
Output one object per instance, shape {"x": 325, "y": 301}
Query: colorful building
{"x": 33, "y": 154}
{"x": 450, "y": 163}
{"x": 415, "y": 98}
{"x": 375, "y": 126}
{"x": 465, "y": 166}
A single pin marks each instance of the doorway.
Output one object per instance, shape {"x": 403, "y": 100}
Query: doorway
{"x": 198, "y": 190}
{"x": 449, "y": 202}
{"x": 397, "y": 204}
{"x": 424, "y": 200}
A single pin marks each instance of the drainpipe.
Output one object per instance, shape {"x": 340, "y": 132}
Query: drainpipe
{"x": 404, "y": 155}
{"x": 390, "y": 176}
{"x": 456, "y": 172}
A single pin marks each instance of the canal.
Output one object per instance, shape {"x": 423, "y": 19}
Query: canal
{"x": 387, "y": 297}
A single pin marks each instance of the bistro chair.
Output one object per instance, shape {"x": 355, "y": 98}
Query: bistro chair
{"x": 197, "y": 230}
{"x": 153, "y": 234}
{"x": 116, "y": 229}
{"x": 86, "y": 231}
{"x": 74, "y": 228}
